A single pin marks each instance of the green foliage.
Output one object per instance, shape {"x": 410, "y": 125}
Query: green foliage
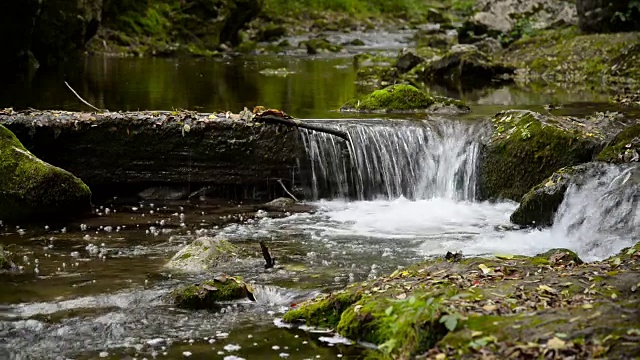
{"x": 275, "y": 8}
{"x": 522, "y": 29}
{"x": 463, "y": 7}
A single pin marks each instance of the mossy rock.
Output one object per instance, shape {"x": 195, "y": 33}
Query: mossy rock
{"x": 624, "y": 148}
{"x": 315, "y": 46}
{"x": 202, "y": 254}
{"x": 539, "y": 206}
{"x": 560, "y": 257}
{"x": 466, "y": 65}
{"x": 209, "y": 294}
{"x": 32, "y": 189}
{"x": 271, "y": 32}
{"x": 527, "y": 147}
{"x": 403, "y": 99}
{"x": 565, "y": 57}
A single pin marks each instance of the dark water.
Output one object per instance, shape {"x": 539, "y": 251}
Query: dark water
{"x": 315, "y": 87}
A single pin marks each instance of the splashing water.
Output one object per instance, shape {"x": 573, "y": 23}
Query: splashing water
{"x": 389, "y": 159}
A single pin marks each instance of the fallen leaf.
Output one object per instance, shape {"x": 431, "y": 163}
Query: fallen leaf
{"x": 485, "y": 269}
{"x": 401, "y": 296}
{"x": 489, "y": 308}
{"x": 504, "y": 257}
{"x": 556, "y": 344}
{"x": 476, "y": 333}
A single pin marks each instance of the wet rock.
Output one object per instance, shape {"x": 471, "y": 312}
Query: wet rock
{"x": 31, "y": 188}
{"x": 495, "y": 17}
{"x": 506, "y": 306}
{"x": 488, "y": 45}
{"x": 600, "y": 16}
{"x": 321, "y": 45}
{"x": 354, "y": 42}
{"x": 164, "y": 193}
{"x": 624, "y": 148}
{"x": 5, "y": 263}
{"x": 281, "y": 202}
{"x": 271, "y": 32}
{"x": 404, "y": 99}
{"x": 539, "y": 206}
{"x": 202, "y": 254}
{"x": 464, "y": 64}
{"x": 527, "y": 147}
{"x": 408, "y": 61}
{"x": 238, "y": 159}
{"x": 209, "y": 294}
{"x": 437, "y": 41}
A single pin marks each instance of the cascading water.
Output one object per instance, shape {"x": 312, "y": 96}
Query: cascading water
{"x": 389, "y": 159}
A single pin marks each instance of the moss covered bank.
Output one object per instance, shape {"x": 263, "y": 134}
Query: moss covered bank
{"x": 548, "y": 306}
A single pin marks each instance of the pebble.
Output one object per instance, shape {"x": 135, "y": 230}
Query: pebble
{"x": 232, "y": 347}
{"x": 186, "y": 353}
{"x": 157, "y": 342}
{"x": 104, "y": 354}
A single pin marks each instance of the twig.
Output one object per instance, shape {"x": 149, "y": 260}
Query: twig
{"x": 81, "y": 99}
{"x": 297, "y": 123}
{"x": 287, "y": 191}
{"x": 270, "y": 262}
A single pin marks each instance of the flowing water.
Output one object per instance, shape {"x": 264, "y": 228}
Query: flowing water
{"x": 402, "y": 190}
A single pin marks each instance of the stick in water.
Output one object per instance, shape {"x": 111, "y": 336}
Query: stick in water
{"x": 270, "y": 262}
{"x": 287, "y": 191}
{"x": 81, "y": 99}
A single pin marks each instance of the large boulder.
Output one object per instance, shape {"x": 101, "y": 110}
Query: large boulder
{"x": 538, "y": 206}
{"x": 599, "y": 16}
{"x": 465, "y": 65}
{"x": 31, "y": 188}
{"x": 509, "y": 17}
{"x": 527, "y": 147}
{"x": 404, "y": 99}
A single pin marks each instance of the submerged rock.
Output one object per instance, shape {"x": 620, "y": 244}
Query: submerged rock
{"x": 509, "y": 306}
{"x": 404, "y": 99}
{"x": 281, "y": 202}
{"x": 624, "y": 148}
{"x": 208, "y": 295}
{"x": 315, "y": 46}
{"x": 463, "y": 64}
{"x": 204, "y": 253}
{"x": 31, "y": 188}
{"x": 538, "y": 206}
{"x": 527, "y": 147}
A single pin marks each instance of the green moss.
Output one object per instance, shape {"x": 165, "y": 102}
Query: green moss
{"x": 566, "y": 57}
{"x": 325, "y": 312}
{"x": 209, "y": 294}
{"x": 315, "y": 46}
{"x": 528, "y": 147}
{"x": 32, "y": 188}
{"x": 399, "y": 98}
{"x": 623, "y": 146}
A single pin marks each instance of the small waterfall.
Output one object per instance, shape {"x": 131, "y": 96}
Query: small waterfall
{"x": 389, "y": 159}
{"x": 602, "y": 215}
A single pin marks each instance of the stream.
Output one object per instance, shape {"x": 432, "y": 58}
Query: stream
{"x": 96, "y": 288}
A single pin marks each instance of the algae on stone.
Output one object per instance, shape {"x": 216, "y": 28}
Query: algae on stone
{"x": 210, "y": 293}
{"x": 624, "y": 148}
{"x": 527, "y": 147}
{"x": 403, "y": 99}
{"x": 202, "y": 254}
{"x": 31, "y": 188}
